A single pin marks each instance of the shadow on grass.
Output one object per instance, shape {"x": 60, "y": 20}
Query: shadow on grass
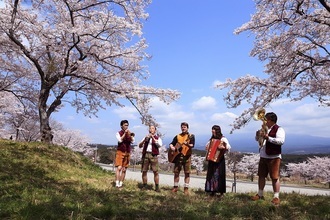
{"x": 31, "y": 189}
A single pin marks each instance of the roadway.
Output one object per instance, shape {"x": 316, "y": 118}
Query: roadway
{"x": 241, "y": 186}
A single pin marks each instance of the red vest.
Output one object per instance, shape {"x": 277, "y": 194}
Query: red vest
{"x": 154, "y": 149}
{"x": 271, "y": 148}
{"x": 125, "y": 145}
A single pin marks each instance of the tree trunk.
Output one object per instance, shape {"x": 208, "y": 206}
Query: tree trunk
{"x": 44, "y": 115}
{"x": 17, "y": 133}
{"x": 45, "y": 130}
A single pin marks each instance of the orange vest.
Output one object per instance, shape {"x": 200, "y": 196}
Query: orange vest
{"x": 186, "y": 150}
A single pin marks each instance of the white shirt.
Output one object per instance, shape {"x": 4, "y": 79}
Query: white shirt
{"x": 279, "y": 140}
{"x": 158, "y": 142}
{"x": 120, "y": 140}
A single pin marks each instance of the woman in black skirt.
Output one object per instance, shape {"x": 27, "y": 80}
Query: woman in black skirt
{"x": 216, "y": 147}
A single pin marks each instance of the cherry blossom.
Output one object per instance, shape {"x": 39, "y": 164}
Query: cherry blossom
{"x": 249, "y": 165}
{"x": 89, "y": 54}
{"x": 292, "y": 40}
{"x": 313, "y": 168}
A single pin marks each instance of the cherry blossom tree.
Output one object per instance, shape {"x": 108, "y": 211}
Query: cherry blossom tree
{"x": 6, "y": 106}
{"x": 136, "y": 155}
{"x": 72, "y": 139}
{"x": 197, "y": 162}
{"x": 249, "y": 165}
{"x": 19, "y": 119}
{"x": 313, "y": 168}
{"x": 292, "y": 39}
{"x": 162, "y": 158}
{"x": 89, "y": 54}
{"x": 302, "y": 169}
{"x": 321, "y": 167}
{"x": 232, "y": 159}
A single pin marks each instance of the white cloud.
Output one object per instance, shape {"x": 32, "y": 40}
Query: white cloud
{"x": 308, "y": 118}
{"x": 126, "y": 112}
{"x": 216, "y": 82}
{"x": 223, "y": 116}
{"x": 204, "y": 103}
{"x": 295, "y": 117}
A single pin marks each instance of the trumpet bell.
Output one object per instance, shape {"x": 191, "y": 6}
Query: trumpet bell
{"x": 259, "y": 114}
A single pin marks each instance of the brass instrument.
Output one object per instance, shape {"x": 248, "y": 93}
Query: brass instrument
{"x": 260, "y": 115}
{"x": 130, "y": 134}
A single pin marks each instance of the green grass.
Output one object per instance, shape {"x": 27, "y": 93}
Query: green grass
{"x": 50, "y": 182}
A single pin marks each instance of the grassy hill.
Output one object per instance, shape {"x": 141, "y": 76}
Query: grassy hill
{"x": 50, "y": 182}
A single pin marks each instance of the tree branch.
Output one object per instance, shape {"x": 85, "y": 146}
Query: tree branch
{"x": 325, "y": 5}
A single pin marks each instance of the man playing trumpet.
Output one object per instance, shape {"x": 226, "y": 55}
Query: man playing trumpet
{"x": 125, "y": 139}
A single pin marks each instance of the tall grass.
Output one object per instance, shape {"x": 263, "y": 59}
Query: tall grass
{"x": 50, "y": 182}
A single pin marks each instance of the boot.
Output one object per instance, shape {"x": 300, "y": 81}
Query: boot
{"x": 175, "y": 189}
{"x": 144, "y": 187}
{"x": 186, "y": 191}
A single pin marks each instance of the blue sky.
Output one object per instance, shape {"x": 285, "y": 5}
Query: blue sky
{"x": 193, "y": 45}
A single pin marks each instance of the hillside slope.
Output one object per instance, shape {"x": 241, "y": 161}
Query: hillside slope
{"x": 50, "y": 182}
{"x": 36, "y": 178}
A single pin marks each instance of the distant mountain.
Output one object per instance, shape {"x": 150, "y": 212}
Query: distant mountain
{"x": 294, "y": 144}
{"x": 305, "y": 144}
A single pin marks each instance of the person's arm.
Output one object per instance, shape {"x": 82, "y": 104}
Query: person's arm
{"x": 118, "y": 137}
{"x": 227, "y": 145}
{"x": 257, "y": 135}
{"x": 142, "y": 142}
{"x": 173, "y": 143}
{"x": 158, "y": 142}
{"x": 207, "y": 145}
{"x": 280, "y": 137}
{"x": 191, "y": 141}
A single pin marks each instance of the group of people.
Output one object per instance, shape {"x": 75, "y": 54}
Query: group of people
{"x": 181, "y": 146}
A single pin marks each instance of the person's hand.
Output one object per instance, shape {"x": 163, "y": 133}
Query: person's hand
{"x": 222, "y": 145}
{"x": 172, "y": 147}
{"x": 266, "y": 136}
